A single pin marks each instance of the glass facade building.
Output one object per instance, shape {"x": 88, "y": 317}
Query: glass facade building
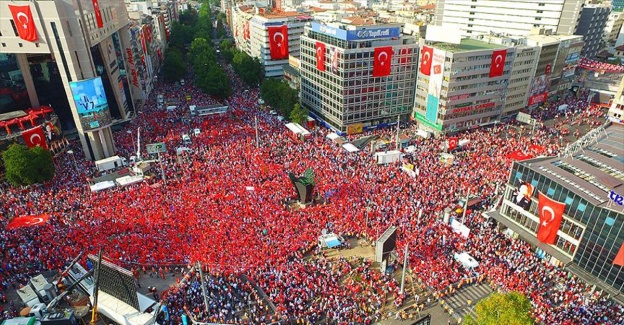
{"x": 346, "y": 93}
{"x": 592, "y": 230}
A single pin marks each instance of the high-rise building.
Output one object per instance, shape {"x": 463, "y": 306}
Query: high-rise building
{"x": 616, "y": 111}
{"x": 67, "y": 55}
{"x": 516, "y": 17}
{"x": 617, "y": 5}
{"x": 612, "y": 29}
{"x": 592, "y": 26}
{"x": 357, "y": 74}
{"x": 569, "y": 208}
{"x": 461, "y": 85}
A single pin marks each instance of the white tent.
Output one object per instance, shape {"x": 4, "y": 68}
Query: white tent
{"x": 466, "y": 260}
{"x": 122, "y": 313}
{"x": 350, "y": 147}
{"x": 129, "y": 180}
{"x": 102, "y": 186}
{"x": 332, "y": 136}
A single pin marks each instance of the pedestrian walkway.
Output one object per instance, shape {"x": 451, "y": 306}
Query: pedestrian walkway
{"x": 462, "y": 303}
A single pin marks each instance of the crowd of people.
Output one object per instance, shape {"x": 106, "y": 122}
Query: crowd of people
{"x": 223, "y": 205}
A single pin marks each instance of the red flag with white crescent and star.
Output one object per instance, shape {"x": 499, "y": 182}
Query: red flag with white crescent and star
{"x": 550, "y": 215}
{"x": 35, "y": 137}
{"x": 426, "y": 56}
{"x": 498, "y": 63}
{"x": 320, "y": 56}
{"x": 452, "y": 143}
{"x": 27, "y": 221}
{"x": 619, "y": 258}
{"x": 24, "y": 22}
{"x": 98, "y": 14}
{"x": 278, "y": 42}
{"x": 405, "y": 56}
{"x": 382, "y": 63}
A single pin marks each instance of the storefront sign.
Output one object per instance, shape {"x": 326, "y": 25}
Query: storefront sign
{"x": 470, "y": 108}
{"x": 537, "y": 99}
{"x": 355, "y": 35}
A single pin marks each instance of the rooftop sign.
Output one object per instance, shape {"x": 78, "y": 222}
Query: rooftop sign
{"x": 357, "y": 34}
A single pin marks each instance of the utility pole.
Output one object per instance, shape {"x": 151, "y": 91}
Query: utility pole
{"x": 162, "y": 169}
{"x": 398, "y": 131}
{"x": 257, "y": 136}
{"x": 404, "y": 269}
{"x": 465, "y": 207}
{"x": 201, "y": 274}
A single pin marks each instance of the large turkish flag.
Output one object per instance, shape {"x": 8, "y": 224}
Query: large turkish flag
{"x": 24, "y": 22}
{"x": 320, "y": 56}
{"x": 426, "y": 57}
{"x": 452, "y": 143}
{"x": 619, "y": 258}
{"x": 98, "y": 14}
{"x": 382, "y": 64}
{"x": 35, "y": 137}
{"x": 27, "y": 221}
{"x": 550, "y": 214}
{"x": 498, "y": 63}
{"x": 278, "y": 42}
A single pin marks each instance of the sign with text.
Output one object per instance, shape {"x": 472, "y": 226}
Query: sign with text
{"x": 154, "y": 148}
{"x": 355, "y": 128}
{"x": 358, "y": 34}
{"x": 91, "y": 103}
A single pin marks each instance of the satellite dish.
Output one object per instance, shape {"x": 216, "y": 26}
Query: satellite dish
{"x": 324, "y": 232}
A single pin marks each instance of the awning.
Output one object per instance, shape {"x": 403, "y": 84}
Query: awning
{"x": 350, "y": 147}
{"x": 332, "y": 242}
{"x": 529, "y": 237}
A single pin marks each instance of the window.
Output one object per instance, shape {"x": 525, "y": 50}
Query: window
{"x": 540, "y": 11}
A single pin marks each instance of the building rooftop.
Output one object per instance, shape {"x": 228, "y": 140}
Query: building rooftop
{"x": 592, "y": 172}
{"x": 466, "y": 45}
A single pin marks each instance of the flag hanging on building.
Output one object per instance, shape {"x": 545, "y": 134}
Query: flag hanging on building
{"x": 498, "y": 63}
{"x": 382, "y": 64}
{"x": 320, "y": 56}
{"x": 550, "y": 217}
{"x": 24, "y": 22}
{"x": 27, "y": 221}
{"x": 98, "y": 14}
{"x": 548, "y": 69}
{"x": 278, "y": 42}
{"x": 35, "y": 138}
{"x": 425, "y": 60}
{"x": 405, "y": 56}
{"x": 619, "y": 258}
{"x": 246, "y": 32}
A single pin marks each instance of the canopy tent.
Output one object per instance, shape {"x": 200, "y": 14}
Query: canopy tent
{"x": 129, "y": 180}
{"x": 332, "y": 136}
{"x": 329, "y": 241}
{"x": 102, "y": 186}
{"x": 350, "y": 147}
{"x": 466, "y": 260}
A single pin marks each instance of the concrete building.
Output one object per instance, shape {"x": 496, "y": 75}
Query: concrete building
{"x": 359, "y": 75}
{"x": 582, "y": 186}
{"x": 592, "y": 26}
{"x": 617, "y": 5}
{"x": 55, "y": 47}
{"x": 250, "y": 27}
{"x": 516, "y": 17}
{"x": 461, "y": 85}
{"x": 568, "y": 55}
{"x": 612, "y": 29}
{"x": 616, "y": 111}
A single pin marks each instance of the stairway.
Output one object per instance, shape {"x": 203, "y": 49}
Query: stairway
{"x": 458, "y": 302}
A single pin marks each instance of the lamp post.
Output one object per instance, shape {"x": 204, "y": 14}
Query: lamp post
{"x": 71, "y": 152}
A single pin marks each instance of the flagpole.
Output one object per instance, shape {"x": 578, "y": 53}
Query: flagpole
{"x": 404, "y": 269}
{"x": 398, "y": 131}
{"x": 257, "y": 137}
{"x": 465, "y": 207}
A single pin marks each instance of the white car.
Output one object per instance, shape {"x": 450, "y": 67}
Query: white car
{"x": 196, "y": 132}
{"x": 186, "y": 139}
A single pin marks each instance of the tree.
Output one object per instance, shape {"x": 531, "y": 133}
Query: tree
{"x": 215, "y": 82}
{"x": 26, "y": 166}
{"x": 201, "y": 50}
{"x": 299, "y": 114}
{"x": 279, "y": 95}
{"x": 249, "y": 69}
{"x": 511, "y": 309}
{"x": 174, "y": 67}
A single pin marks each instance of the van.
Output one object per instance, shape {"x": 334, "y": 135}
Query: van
{"x": 196, "y": 132}
{"x": 171, "y": 108}
{"x": 161, "y": 98}
{"x": 186, "y": 139}
{"x": 182, "y": 82}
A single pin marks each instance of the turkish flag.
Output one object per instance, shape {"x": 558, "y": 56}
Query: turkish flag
{"x": 426, "y": 56}
{"x": 27, "y": 221}
{"x": 548, "y": 69}
{"x": 382, "y": 64}
{"x": 518, "y": 155}
{"x": 320, "y": 56}
{"x": 35, "y": 138}
{"x": 452, "y": 143}
{"x": 24, "y": 22}
{"x": 278, "y": 42}
{"x": 619, "y": 258}
{"x": 98, "y": 14}
{"x": 550, "y": 214}
{"x": 498, "y": 63}
{"x": 405, "y": 56}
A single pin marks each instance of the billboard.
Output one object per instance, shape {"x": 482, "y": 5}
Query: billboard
{"x": 358, "y": 34}
{"x": 435, "y": 85}
{"x": 539, "y": 90}
{"x": 91, "y": 103}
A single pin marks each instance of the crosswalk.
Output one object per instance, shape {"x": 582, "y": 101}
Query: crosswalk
{"x": 463, "y": 301}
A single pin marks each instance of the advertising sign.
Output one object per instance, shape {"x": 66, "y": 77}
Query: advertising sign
{"x": 154, "y": 148}
{"x": 572, "y": 58}
{"x": 356, "y": 35}
{"x": 435, "y": 85}
{"x": 355, "y": 128}
{"x": 539, "y": 90}
{"x": 91, "y": 103}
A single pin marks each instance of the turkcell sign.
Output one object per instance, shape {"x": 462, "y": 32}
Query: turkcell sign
{"x": 356, "y": 35}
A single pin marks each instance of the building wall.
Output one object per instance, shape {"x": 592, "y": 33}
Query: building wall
{"x": 346, "y": 93}
{"x": 522, "y": 73}
{"x": 616, "y": 111}
{"x": 592, "y": 25}
{"x": 512, "y": 17}
{"x": 469, "y": 96}
{"x": 589, "y": 234}
{"x": 568, "y": 55}
{"x": 612, "y": 29}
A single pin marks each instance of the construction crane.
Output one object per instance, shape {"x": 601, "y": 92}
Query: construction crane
{"x": 63, "y": 274}
{"x": 96, "y": 288}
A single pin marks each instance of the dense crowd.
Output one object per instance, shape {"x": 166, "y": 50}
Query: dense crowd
{"x": 223, "y": 205}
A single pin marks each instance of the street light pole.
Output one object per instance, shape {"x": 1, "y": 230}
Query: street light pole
{"x": 132, "y": 138}
{"x": 71, "y": 152}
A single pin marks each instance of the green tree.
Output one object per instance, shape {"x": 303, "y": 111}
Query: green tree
{"x": 228, "y": 50}
{"x": 249, "y": 69}
{"x": 299, "y": 114}
{"x": 510, "y": 309}
{"x": 279, "y": 95}
{"x": 215, "y": 82}
{"x": 24, "y": 166}
{"x": 201, "y": 51}
{"x": 174, "y": 67}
